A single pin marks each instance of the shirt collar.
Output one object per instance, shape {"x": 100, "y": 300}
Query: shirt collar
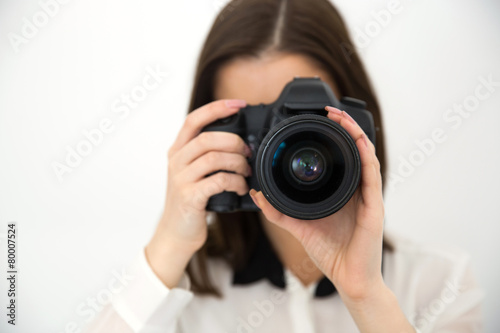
{"x": 263, "y": 263}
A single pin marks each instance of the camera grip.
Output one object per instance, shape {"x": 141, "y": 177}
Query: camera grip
{"x": 223, "y": 202}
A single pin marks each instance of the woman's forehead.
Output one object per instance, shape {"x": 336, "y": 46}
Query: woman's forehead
{"x": 261, "y": 79}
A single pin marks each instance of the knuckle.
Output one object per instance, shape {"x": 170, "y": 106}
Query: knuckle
{"x": 216, "y": 185}
{"x": 242, "y": 186}
{"x": 212, "y": 157}
{"x": 242, "y": 182}
{"x": 242, "y": 161}
{"x": 192, "y": 198}
{"x": 200, "y": 192}
{"x": 242, "y": 164}
{"x": 223, "y": 179}
{"x": 205, "y": 138}
{"x": 240, "y": 144}
{"x": 191, "y": 120}
{"x": 235, "y": 140}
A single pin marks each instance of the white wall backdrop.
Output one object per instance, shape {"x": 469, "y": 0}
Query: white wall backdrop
{"x": 62, "y": 75}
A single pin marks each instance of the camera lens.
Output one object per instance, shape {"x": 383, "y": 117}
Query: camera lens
{"x": 307, "y": 164}
{"x": 317, "y": 176}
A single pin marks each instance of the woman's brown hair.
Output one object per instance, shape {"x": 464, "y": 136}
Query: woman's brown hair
{"x": 249, "y": 28}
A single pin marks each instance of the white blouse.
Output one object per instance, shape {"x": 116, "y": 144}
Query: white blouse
{"x": 434, "y": 285}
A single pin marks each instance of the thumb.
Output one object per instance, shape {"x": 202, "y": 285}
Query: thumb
{"x": 268, "y": 210}
{"x": 294, "y": 226}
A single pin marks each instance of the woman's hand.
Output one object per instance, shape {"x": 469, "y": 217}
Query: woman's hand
{"x": 182, "y": 229}
{"x": 347, "y": 246}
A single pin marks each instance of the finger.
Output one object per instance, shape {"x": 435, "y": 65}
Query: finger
{"x": 203, "y": 116}
{"x": 271, "y": 213}
{"x": 214, "y": 161}
{"x": 371, "y": 179}
{"x": 219, "y": 182}
{"x": 348, "y": 123}
{"x": 292, "y": 225}
{"x": 211, "y": 141}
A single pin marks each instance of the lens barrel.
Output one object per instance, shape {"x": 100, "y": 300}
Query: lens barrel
{"x": 308, "y": 166}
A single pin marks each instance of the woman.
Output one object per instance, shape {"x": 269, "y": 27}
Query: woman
{"x": 265, "y": 271}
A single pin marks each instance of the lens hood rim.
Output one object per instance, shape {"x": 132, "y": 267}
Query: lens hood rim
{"x": 293, "y": 208}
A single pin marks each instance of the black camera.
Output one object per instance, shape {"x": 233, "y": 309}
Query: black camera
{"x": 306, "y": 165}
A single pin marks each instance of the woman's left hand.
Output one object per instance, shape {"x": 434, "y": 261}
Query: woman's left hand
{"x": 346, "y": 246}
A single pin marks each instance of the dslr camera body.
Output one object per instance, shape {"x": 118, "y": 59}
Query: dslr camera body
{"x": 306, "y": 165}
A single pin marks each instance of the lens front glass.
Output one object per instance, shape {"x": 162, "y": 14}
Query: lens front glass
{"x": 307, "y": 164}
{"x": 308, "y": 167}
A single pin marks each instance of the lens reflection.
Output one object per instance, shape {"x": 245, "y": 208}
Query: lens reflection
{"x": 307, "y": 165}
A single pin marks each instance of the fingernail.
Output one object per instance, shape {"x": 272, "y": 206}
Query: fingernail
{"x": 349, "y": 117}
{"x": 236, "y": 103}
{"x": 248, "y": 151}
{"x": 252, "y": 195}
{"x": 333, "y": 110}
{"x": 365, "y": 139}
{"x": 249, "y": 171}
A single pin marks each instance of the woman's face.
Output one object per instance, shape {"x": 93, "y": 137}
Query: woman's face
{"x": 261, "y": 80}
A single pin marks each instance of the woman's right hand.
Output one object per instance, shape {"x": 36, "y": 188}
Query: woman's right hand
{"x": 182, "y": 230}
